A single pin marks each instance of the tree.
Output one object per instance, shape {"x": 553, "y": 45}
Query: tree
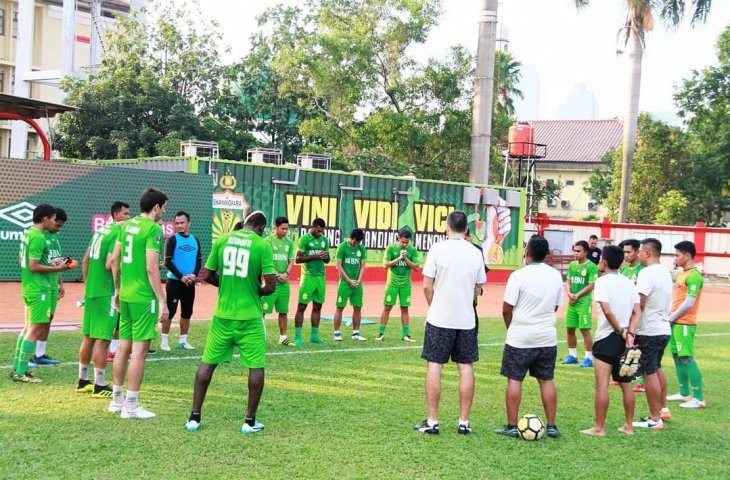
{"x": 640, "y": 20}
{"x": 506, "y": 77}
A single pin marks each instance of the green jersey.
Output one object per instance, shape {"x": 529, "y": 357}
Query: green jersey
{"x": 99, "y": 281}
{"x": 580, "y": 275}
{"x": 136, "y": 237}
{"x": 632, "y": 273}
{"x": 311, "y": 245}
{"x": 32, "y": 246}
{"x": 52, "y": 252}
{"x": 399, "y": 275}
{"x": 283, "y": 249}
{"x": 240, "y": 258}
{"x": 351, "y": 258}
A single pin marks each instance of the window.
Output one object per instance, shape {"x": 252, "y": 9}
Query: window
{"x": 2, "y": 82}
{"x": 15, "y": 24}
{"x": 570, "y": 183}
{"x": 2, "y": 21}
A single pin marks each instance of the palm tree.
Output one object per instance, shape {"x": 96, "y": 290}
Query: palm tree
{"x": 639, "y": 20}
{"x": 506, "y": 76}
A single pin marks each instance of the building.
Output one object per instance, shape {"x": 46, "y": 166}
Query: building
{"x": 580, "y": 104}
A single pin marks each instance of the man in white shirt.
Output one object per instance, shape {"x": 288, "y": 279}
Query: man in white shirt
{"x": 655, "y": 289}
{"x": 532, "y": 296}
{"x": 619, "y": 312}
{"x": 452, "y": 277}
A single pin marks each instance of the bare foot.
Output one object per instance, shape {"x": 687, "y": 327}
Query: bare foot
{"x": 593, "y": 432}
{"x": 626, "y": 430}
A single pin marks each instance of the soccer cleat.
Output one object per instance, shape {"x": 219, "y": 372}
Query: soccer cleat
{"x": 464, "y": 429}
{"x": 84, "y": 386}
{"x": 12, "y": 374}
{"x": 552, "y": 431}
{"x": 165, "y": 347}
{"x": 31, "y": 363}
{"x": 115, "y": 407}
{"x": 247, "y": 429}
{"x": 286, "y": 342}
{"x": 151, "y": 351}
{"x": 102, "y": 391}
{"x": 380, "y": 337}
{"x": 185, "y": 346}
{"x": 587, "y": 363}
{"x": 138, "y": 413}
{"x": 358, "y": 337}
{"x": 425, "y": 427}
{"x": 110, "y": 357}
{"x": 665, "y": 414}
{"x": 45, "y": 360}
{"x": 639, "y": 388}
{"x": 570, "y": 360}
{"x": 693, "y": 403}
{"x": 647, "y": 422}
{"x": 192, "y": 426}
{"x": 678, "y": 397}
{"x": 508, "y": 431}
{"x": 298, "y": 341}
{"x": 338, "y": 337}
{"x": 27, "y": 378}
{"x": 315, "y": 339}
{"x": 629, "y": 362}
{"x": 408, "y": 339}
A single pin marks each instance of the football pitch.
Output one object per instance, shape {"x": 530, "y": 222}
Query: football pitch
{"x": 347, "y": 410}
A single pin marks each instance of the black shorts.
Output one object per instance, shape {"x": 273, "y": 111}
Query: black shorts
{"x": 441, "y": 343}
{"x": 652, "y": 350}
{"x": 539, "y": 361}
{"x": 178, "y": 292}
{"x": 609, "y": 350}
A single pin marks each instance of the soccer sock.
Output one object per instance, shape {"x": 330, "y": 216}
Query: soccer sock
{"x": 315, "y": 332}
{"x": 356, "y": 332}
{"x": 118, "y": 392}
{"x": 184, "y": 338}
{"x": 640, "y": 380}
{"x": 573, "y": 352}
{"x": 194, "y": 416}
{"x": 282, "y": 337}
{"x": 682, "y": 377}
{"x": 18, "y": 348}
{"x": 113, "y": 346}
{"x": 40, "y": 348}
{"x": 83, "y": 371}
{"x": 431, "y": 422}
{"x": 406, "y": 330}
{"x": 589, "y": 355}
{"x": 381, "y": 330}
{"x": 251, "y": 421}
{"x": 463, "y": 422}
{"x": 99, "y": 374}
{"x": 297, "y": 332}
{"x": 131, "y": 401}
{"x": 337, "y": 332}
{"x": 27, "y": 349}
{"x": 166, "y": 339}
{"x": 695, "y": 379}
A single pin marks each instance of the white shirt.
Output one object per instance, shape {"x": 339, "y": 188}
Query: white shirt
{"x": 655, "y": 282}
{"x": 621, "y": 294}
{"x": 534, "y": 291}
{"x": 457, "y": 268}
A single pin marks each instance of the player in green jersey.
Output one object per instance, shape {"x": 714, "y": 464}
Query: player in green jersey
{"x": 351, "y": 256}
{"x": 630, "y": 269}
{"x": 36, "y": 291}
{"x": 236, "y": 265}
{"x": 100, "y": 315}
{"x": 140, "y": 297}
{"x": 582, "y": 274}
{"x": 284, "y": 250}
{"x": 400, "y": 259}
{"x": 312, "y": 253}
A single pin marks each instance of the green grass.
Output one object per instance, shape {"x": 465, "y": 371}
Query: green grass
{"x": 347, "y": 414}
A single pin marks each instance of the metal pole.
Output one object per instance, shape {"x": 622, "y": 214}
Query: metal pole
{"x": 481, "y": 135}
{"x": 68, "y": 40}
{"x": 23, "y": 56}
{"x": 95, "y": 44}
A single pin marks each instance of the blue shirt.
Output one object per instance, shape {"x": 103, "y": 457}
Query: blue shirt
{"x": 182, "y": 256}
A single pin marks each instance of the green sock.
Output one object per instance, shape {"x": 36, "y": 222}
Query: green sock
{"x": 406, "y": 330}
{"x": 16, "y": 356}
{"x": 315, "y": 332}
{"x": 640, "y": 380}
{"x": 682, "y": 377}
{"x": 297, "y": 332}
{"x": 695, "y": 379}
{"x": 27, "y": 352}
{"x": 381, "y": 330}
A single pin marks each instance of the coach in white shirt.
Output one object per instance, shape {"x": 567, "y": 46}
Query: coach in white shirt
{"x": 452, "y": 277}
{"x": 532, "y": 296}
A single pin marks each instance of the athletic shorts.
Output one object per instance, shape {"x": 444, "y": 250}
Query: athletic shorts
{"x": 38, "y": 308}
{"x": 138, "y": 320}
{"x": 178, "y": 292}
{"x": 610, "y": 350}
{"x": 345, "y": 292}
{"x": 440, "y": 344}
{"x": 682, "y": 341}
{"x": 392, "y": 292}
{"x": 248, "y": 335}
{"x": 578, "y": 317}
{"x": 652, "y": 350}
{"x": 312, "y": 289}
{"x": 278, "y": 299}
{"x": 54, "y": 299}
{"x": 100, "y": 318}
{"x": 539, "y": 361}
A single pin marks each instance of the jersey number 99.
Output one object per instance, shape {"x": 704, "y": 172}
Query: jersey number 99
{"x": 235, "y": 262}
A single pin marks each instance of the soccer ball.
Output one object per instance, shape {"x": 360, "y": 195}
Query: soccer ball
{"x": 531, "y": 427}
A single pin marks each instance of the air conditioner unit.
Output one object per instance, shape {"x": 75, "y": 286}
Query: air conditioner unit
{"x": 592, "y": 206}
{"x": 552, "y": 202}
{"x": 565, "y": 204}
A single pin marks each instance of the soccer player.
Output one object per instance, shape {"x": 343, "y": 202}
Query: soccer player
{"x": 452, "y": 278}
{"x": 312, "y": 253}
{"x": 400, "y": 259}
{"x": 100, "y": 314}
{"x": 284, "y": 252}
{"x": 533, "y": 294}
{"x": 183, "y": 260}
{"x": 36, "y": 291}
{"x": 351, "y": 266}
{"x": 683, "y": 318}
{"x": 580, "y": 282}
{"x": 630, "y": 269}
{"x": 594, "y": 253}
{"x": 619, "y": 312}
{"x": 655, "y": 288}
{"x": 236, "y": 264}
{"x": 141, "y": 299}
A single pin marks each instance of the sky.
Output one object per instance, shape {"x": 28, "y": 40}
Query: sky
{"x": 567, "y": 46}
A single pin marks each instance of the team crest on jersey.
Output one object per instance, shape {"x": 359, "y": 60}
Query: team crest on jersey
{"x": 583, "y": 272}
{"x": 286, "y": 248}
{"x": 265, "y": 305}
{"x": 358, "y": 254}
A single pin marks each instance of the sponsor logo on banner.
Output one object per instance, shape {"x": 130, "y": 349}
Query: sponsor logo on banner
{"x": 21, "y": 215}
{"x": 99, "y": 220}
{"x": 228, "y": 200}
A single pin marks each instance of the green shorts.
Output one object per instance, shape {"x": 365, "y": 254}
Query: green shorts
{"x": 278, "y": 299}
{"x": 392, "y": 292}
{"x": 100, "y": 318}
{"x": 248, "y": 335}
{"x": 38, "y": 308}
{"x": 578, "y": 317}
{"x": 682, "y": 341}
{"x": 345, "y": 292}
{"x": 138, "y": 320}
{"x": 311, "y": 289}
{"x": 54, "y": 299}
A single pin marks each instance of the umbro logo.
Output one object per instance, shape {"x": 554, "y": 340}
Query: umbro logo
{"x": 20, "y": 214}
{"x": 187, "y": 248}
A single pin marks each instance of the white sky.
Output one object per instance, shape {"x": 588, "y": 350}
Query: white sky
{"x": 565, "y": 45}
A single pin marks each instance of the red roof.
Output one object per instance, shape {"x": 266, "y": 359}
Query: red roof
{"x": 579, "y": 141}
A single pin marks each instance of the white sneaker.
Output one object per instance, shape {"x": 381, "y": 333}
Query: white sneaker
{"x": 192, "y": 426}
{"x": 647, "y": 422}
{"x": 678, "y": 397}
{"x": 693, "y": 403}
{"x": 338, "y": 337}
{"x": 139, "y": 413}
{"x": 357, "y": 336}
{"x": 115, "y": 407}
{"x": 165, "y": 347}
{"x": 185, "y": 346}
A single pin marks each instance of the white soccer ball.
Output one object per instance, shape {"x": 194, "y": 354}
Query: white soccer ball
{"x": 531, "y": 427}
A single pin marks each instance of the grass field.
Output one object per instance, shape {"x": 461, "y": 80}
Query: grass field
{"x": 347, "y": 411}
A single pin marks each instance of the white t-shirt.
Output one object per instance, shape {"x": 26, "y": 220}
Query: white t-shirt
{"x": 457, "y": 268}
{"x": 534, "y": 291}
{"x": 655, "y": 282}
{"x": 621, "y": 294}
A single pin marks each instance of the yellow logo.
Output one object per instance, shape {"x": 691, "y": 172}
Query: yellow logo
{"x": 339, "y": 299}
{"x": 305, "y": 296}
{"x": 388, "y": 298}
{"x": 266, "y": 306}
{"x": 358, "y": 254}
{"x": 583, "y": 272}
{"x": 228, "y": 181}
